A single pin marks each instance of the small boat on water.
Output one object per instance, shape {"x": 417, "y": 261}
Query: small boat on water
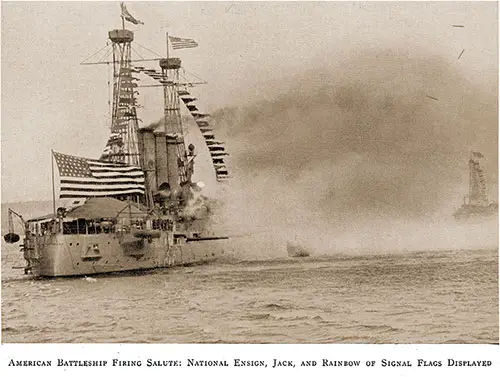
{"x": 295, "y": 250}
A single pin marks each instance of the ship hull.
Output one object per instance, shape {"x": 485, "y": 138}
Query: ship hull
{"x": 475, "y": 212}
{"x": 77, "y": 255}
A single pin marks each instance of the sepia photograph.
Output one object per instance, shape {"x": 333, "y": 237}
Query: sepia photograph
{"x": 249, "y": 173}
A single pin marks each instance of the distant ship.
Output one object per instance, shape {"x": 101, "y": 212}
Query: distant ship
{"x": 476, "y": 205}
{"x": 136, "y": 207}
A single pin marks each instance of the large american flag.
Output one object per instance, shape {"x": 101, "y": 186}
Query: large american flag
{"x": 83, "y": 178}
{"x": 178, "y": 43}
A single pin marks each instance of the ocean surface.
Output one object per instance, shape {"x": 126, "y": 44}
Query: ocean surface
{"x": 448, "y": 296}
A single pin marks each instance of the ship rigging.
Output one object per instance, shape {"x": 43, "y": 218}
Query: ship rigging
{"x": 125, "y": 140}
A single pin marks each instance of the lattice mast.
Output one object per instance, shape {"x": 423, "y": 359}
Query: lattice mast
{"x": 477, "y": 182}
{"x": 123, "y": 145}
{"x": 179, "y": 164}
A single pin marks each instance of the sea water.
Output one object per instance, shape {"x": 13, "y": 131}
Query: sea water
{"x": 448, "y": 296}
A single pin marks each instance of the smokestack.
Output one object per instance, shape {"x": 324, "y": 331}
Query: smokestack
{"x": 161, "y": 159}
{"x": 147, "y": 142}
{"x": 172, "y": 143}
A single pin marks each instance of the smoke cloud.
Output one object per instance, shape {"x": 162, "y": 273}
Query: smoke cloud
{"x": 382, "y": 138}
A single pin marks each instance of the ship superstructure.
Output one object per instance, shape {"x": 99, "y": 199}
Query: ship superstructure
{"x": 136, "y": 207}
{"x": 476, "y": 204}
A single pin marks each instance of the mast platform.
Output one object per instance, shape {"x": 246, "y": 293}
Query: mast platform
{"x": 121, "y": 36}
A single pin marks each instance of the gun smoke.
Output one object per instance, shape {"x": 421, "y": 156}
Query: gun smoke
{"x": 357, "y": 151}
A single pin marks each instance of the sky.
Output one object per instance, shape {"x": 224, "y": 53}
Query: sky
{"x": 248, "y": 52}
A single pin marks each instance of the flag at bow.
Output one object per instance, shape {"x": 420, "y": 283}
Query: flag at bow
{"x": 127, "y": 16}
{"x": 83, "y": 178}
{"x": 178, "y": 43}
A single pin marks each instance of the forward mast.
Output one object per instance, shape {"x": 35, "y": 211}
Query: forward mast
{"x": 123, "y": 143}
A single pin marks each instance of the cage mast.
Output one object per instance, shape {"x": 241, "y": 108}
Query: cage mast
{"x": 123, "y": 145}
{"x": 179, "y": 167}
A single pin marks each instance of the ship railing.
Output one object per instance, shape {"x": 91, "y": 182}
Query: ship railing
{"x": 122, "y": 225}
{"x": 42, "y": 227}
{"x": 87, "y": 226}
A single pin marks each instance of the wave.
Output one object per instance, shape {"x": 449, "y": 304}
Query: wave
{"x": 276, "y": 307}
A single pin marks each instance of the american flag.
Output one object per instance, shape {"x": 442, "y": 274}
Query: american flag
{"x": 178, "y": 43}
{"x": 83, "y": 178}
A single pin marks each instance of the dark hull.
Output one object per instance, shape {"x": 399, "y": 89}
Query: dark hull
{"x": 476, "y": 212}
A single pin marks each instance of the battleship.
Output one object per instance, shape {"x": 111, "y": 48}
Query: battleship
{"x": 476, "y": 205}
{"x": 135, "y": 207}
